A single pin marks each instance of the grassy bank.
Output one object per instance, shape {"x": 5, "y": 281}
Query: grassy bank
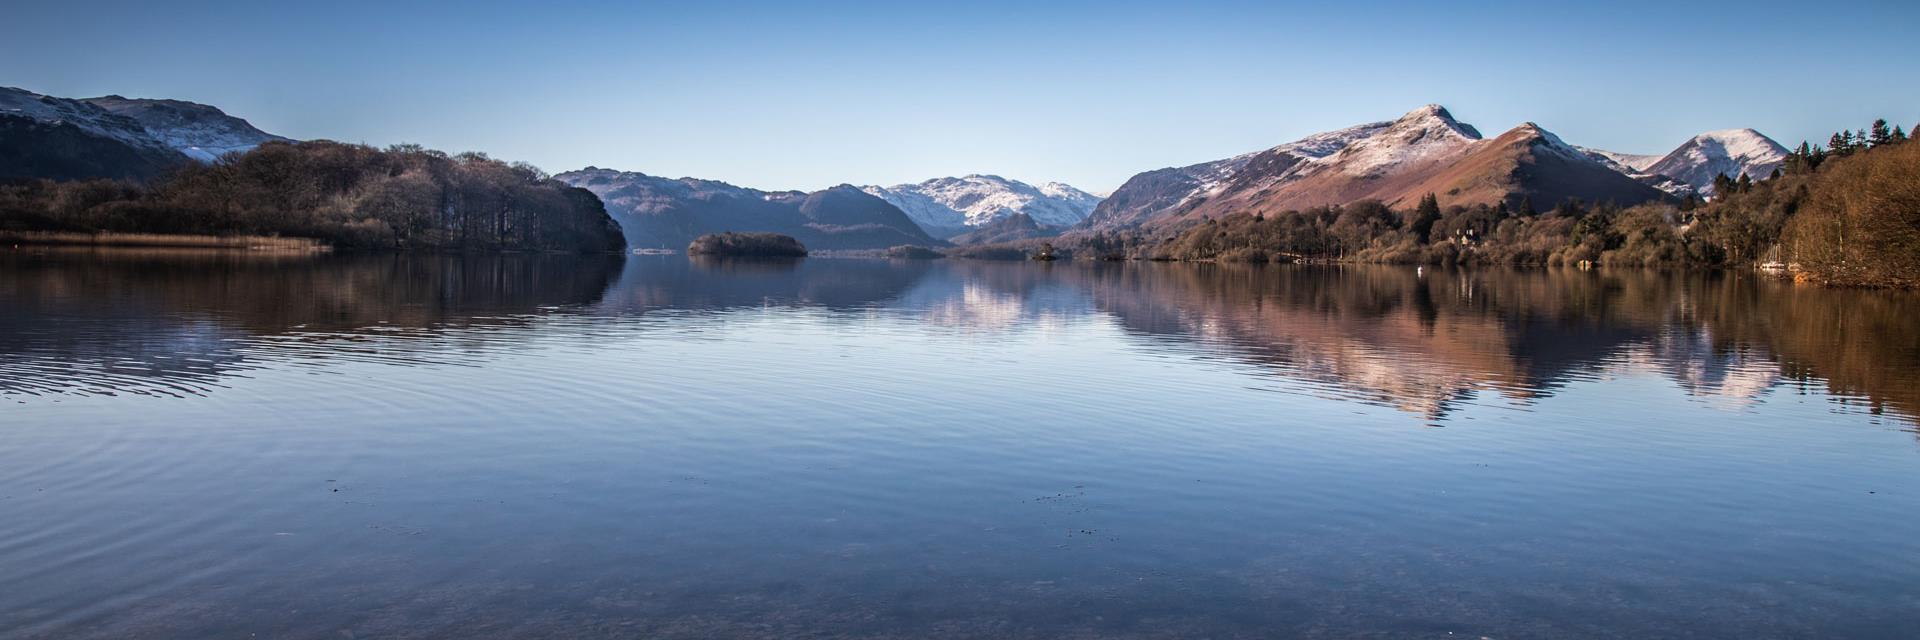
{"x": 109, "y": 239}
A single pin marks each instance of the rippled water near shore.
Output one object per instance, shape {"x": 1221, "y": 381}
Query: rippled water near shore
{"x": 221, "y": 444}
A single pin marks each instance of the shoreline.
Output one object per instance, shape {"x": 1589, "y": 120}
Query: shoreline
{"x": 161, "y": 240}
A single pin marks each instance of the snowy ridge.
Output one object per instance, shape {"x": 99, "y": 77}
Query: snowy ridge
{"x": 1550, "y": 142}
{"x": 1321, "y": 145}
{"x": 1374, "y": 146}
{"x": 88, "y": 117}
{"x": 197, "y": 131}
{"x": 200, "y": 131}
{"x": 945, "y": 205}
{"x": 1212, "y": 177}
{"x": 660, "y": 192}
{"x": 1627, "y": 163}
{"x": 1367, "y": 150}
{"x": 1420, "y": 134}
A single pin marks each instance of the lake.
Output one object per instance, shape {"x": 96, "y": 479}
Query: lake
{"x": 201, "y": 445}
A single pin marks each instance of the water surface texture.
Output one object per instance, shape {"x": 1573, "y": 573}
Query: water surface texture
{"x": 227, "y": 445}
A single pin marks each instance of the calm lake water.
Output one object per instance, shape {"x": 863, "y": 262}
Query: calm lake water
{"x": 224, "y": 446}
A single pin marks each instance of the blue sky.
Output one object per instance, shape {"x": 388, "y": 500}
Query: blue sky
{"x": 807, "y": 95}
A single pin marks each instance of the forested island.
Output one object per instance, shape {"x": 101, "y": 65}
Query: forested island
{"x": 747, "y": 245}
{"x": 348, "y": 196}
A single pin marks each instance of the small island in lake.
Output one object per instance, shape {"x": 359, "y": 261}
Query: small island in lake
{"x": 747, "y": 245}
{"x": 912, "y": 252}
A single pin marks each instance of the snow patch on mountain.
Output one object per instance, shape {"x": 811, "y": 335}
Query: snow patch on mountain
{"x": 948, "y": 205}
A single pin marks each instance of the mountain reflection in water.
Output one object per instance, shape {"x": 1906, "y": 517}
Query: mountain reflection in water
{"x": 234, "y": 445}
{"x": 176, "y": 323}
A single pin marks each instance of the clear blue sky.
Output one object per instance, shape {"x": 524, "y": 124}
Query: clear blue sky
{"x": 806, "y": 95}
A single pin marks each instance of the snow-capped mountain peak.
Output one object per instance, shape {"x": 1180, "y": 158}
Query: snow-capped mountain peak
{"x": 1743, "y": 145}
{"x": 949, "y": 206}
{"x": 1422, "y": 133}
{"x": 1551, "y": 142}
{"x": 1729, "y": 152}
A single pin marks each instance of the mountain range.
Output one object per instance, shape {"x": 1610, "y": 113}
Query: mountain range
{"x": 949, "y": 207}
{"x": 112, "y": 136}
{"x": 668, "y": 213}
{"x": 1425, "y": 151}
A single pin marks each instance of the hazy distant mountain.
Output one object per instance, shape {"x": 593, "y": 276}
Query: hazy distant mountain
{"x": 669, "y": 213}
{"x": 200, "y": 131}
{"x": 1397, "y": 162}
{"x": 951, "y": 206}
{"x": 111, "y": 137}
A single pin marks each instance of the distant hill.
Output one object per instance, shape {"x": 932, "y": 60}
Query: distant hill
{"x": 670, "y": 213}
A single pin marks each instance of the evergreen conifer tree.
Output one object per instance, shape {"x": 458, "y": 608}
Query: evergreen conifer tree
{"x": 1799, "y": 160}
{"x": 1879, "y": 134}
{"x": 1722, "y": 185}
{"x": 1424, "y": 216}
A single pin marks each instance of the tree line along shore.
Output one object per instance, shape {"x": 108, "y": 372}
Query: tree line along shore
{"x": 1846, "y": 214}
{"x": 341, "y": 195}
